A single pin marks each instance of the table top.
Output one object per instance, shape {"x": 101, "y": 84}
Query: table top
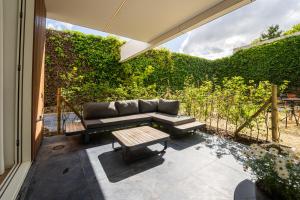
{"x": 290, "y": 99}
{"x": 139, "y": 136}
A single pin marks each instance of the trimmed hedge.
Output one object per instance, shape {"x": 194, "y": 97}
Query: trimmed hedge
{"x": 75, "y": 60}
{"x": 275, "y": 62}
{"x": 88, "y": 67}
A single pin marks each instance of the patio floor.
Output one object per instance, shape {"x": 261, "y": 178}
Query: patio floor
{"x": 199, "y": 166}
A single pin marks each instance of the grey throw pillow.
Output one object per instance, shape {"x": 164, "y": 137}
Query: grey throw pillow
{"x": 147, "y": 106}
{"x": 128, "y": 107}
{"x": 100, "y": 110}
{"x": 168, "y": 106}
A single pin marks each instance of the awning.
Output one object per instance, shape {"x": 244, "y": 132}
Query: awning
{"x": 148, "y": 23}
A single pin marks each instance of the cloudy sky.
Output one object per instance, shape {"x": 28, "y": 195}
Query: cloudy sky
{"x": 218, "y": 38}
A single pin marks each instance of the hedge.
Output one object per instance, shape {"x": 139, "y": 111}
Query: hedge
{"x": 88, "y": 67}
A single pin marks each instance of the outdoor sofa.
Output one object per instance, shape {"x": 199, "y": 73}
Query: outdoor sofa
{"x": 109, "y": 116}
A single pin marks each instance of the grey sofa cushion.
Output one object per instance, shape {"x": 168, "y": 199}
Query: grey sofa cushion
{"x": 172, "y": 120}
{"x": 128, "y": 107}
{"x": 168, "y": 106}
{"x": 147, "y": 106}
{"x": 117, "y": 121}
{"x": 99, "y": 110}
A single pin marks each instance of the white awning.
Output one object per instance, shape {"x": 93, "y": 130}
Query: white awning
{"x": 149, "y": 22}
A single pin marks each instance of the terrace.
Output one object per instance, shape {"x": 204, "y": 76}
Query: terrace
{"x": 199, "y": 166}
{"x": 208, "y": 112}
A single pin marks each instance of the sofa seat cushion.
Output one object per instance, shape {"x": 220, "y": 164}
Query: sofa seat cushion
{"x": 95, "y": 110}
{"x": 116, "y": 121}
{"x": 173, "y": 120}
{"x": 170, "y": 107}
{"x": 128, "y": 107}
{"x": 147, "y": 106}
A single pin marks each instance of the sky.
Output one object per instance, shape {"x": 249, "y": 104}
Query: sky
{"x": 218, "y": 38}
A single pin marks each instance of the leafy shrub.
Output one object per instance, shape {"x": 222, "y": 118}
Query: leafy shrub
{"x": 88, "y": 67}
{"x": 234, "y": 100}
{"x": 276, "y": 169}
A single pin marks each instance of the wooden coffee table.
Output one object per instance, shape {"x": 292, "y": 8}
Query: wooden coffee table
{"x": 139, "y": 137}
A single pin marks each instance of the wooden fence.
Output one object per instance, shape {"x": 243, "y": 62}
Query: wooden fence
{"x": 272, "y": 100}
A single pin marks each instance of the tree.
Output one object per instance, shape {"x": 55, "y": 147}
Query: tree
{"x": 272, "y": 32}
{"x": 294, "y": 29}
{"x": 256, "y": 41}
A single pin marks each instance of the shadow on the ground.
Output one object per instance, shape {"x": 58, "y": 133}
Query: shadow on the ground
{"x": 62, "y": 175}
{"x": 185, "y": 141}
{"x": 222, "y": 146}
{"x": 116, "y": 169}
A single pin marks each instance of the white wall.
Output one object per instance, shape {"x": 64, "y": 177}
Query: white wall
{"x": 1, "y": 90}
{"x": 10, "y": 25}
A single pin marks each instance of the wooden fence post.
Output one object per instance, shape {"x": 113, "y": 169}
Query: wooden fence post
{"x": 248, "y": 121}
{"x": 58, "y": 109}
{"x": 275, "y": 135}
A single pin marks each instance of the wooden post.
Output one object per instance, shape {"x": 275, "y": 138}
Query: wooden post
{"x": 58, "y": 109}
{"x": 275, "y": 135}
{"x": 264, "y": 107}
{"x": 62, "y": 99}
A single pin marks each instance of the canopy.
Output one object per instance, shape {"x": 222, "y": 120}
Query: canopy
{"x": 148, "y": 23}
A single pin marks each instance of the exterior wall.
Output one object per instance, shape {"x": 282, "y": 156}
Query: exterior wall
{"x": 38, "y": 74}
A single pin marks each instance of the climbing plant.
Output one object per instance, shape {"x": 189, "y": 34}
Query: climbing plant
{"x": 88, "y": 68}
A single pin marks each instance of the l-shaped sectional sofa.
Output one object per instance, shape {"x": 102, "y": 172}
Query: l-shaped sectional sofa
{"x": 109, "y": 116}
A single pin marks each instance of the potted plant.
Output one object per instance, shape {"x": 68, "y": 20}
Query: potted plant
{"x": 276, "y": 170}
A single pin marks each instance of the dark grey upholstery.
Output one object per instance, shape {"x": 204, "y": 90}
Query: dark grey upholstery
{"x": 147, "y": 106}
{"x": 100, "y": 117}
{"x": 116, "y": 121}
{"x": 99, "y": 110}
{"x": 128, "y": 107}
{"x": 168, "y": 106}
{"x": 172, "y": 120}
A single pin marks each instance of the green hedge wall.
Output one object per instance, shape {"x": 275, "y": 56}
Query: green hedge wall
{"x": 275, "y": 62}
{"x": 76, "y": 60}
{"x": 87, "y": 66}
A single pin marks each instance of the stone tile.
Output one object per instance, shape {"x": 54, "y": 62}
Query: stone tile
{"x": 182, "y": 164}
{"x": 191, "y": 188}
{"x": 200, "y": 166}
{"x": 222, "y": 178}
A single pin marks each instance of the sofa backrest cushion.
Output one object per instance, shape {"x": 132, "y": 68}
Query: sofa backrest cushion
{"x": 147, "y": 106}
{"x": 99, "y": 110}
{"x": 170, "y": 107}
{"x": 128, "y": 107}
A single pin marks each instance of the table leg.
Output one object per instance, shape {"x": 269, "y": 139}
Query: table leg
{"x": 113, "y": 145}
{"x": 294, "y": 114}
{"x": 286, "y": 119}
{"x": 125, "y": 154}
{"x": 165, "y": 146}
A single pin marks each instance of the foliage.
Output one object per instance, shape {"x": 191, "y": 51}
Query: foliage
{"x": 88, "y": 67}
{"x": 274, "y": 62}
{"x": 233, "y": 99}
{"x": 277, "y": 170}
{"x": 272, "y": 32}
{"x": 294, "y": 29}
